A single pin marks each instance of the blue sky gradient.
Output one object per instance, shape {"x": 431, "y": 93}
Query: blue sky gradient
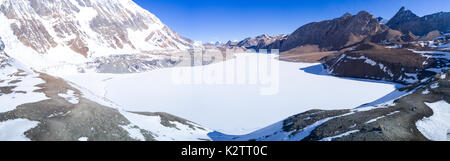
{"x": 223, "y": 20}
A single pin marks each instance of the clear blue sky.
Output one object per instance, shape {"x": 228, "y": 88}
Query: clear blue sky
{"x": 223, "y": 20}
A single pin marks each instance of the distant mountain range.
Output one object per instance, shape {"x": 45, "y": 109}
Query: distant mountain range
{"x": 348, "y": 30}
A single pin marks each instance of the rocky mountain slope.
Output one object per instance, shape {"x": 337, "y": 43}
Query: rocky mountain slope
{"x": 406, "y": 21}
{"x": 390, "y": 37}
{"x": 327, "y": 35}
{"x": 391, "y": 64}
{"x": 393, "y": 56}
{"x": 312, "y": 40}
{"x": 67, "y": 31}
{"x": 315, "y": 40}
{"x": 258, "y": 42}
{"x": 334, "y": 34}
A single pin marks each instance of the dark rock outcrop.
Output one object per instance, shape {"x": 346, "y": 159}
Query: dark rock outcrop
{"x": 2, "y": 45}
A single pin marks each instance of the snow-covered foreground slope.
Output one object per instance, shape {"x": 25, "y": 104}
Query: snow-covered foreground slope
{"x": 233, "y": 108}
{"x": 36, "y": 106}
{"x": 273, "y": 132}
{"x": 18, "y": 84}
{"x": 437, "y": 126}
{"x": 13, "y": 130}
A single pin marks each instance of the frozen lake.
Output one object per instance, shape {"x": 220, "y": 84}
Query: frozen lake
{"x": 234, "y": 105}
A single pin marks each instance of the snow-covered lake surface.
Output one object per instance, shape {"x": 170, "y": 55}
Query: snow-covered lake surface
{"x": 238, "y": 107}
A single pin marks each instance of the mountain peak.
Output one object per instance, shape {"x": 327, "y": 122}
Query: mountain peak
{"x": 403, "y": 8}
{"x": 406, "y": 21}
{"x": 363, "y": 13}
{"x": 334, "y": 34}
{"x": 403, "y": 15}
{"x": 346, "y": 15}
{"x": 89, "y": 28}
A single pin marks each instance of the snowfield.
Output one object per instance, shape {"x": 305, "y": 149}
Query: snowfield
{"x": 70, "y": 97}
{"x": 236, "y": 105}
{"x": 437, "y": 126}
{"x": 275, "y": 132}
{"x": 163, "y": 133}
{"x": 16, "y": 129}
{"x": 22, "y": 82}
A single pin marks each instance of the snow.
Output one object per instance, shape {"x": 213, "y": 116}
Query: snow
{"x": 134, "y": 132}
{"x": 394, "y": 46}
{"x": 393, "y": 113}
{"x": 375, "y": 119}
{"x": 371, "y": 62}
{"x": 385, "y": 101}
{"x": 436, "y": 127}
{"x": 62, "y": 57}
{"x": 27, "y": 84}
{"x": 426, "y": 91}
{"x": 83, "y": 139}
{"x": 339, "y": 136}
{"x": 434, "y": 85}
{"x": 444, "y": 46}
{"x": 384, "y": 69}
{"x": 70, "y": 97}
{"x": 16, "y": 129}
{"x": 435, "y": 54}
{"x": 366, "y": 60}
{"x": 307, "y": 130}
{"x": 378, "y": 118}
{"x": 163, "y": 133}
{"x": 237, "y": 105}
{"x": 274, "y": 132}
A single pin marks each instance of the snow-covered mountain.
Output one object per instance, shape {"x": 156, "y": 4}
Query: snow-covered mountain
{"x": 50, "y": 32}
{"x": 105, "y": 35}
{"x": 258, "y": 42}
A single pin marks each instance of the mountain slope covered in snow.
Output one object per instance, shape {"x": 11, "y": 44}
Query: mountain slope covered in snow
{"x": 69, "y": 31}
